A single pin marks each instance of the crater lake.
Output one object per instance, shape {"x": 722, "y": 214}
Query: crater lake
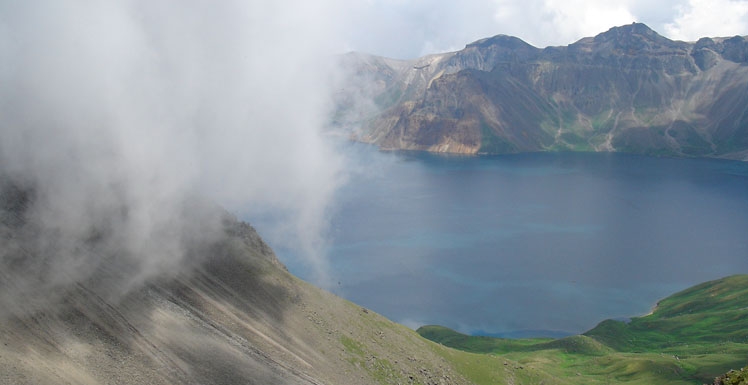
{"x": 540, "y": 244}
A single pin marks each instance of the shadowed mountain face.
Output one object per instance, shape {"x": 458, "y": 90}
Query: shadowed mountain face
{"x": 628, "y": 89}
{"x": 229, "y": 314}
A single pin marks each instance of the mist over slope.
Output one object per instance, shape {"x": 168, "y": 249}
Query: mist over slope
{"x": 228, "y": 313}
{"x": 628, "y": 89}
{"x": 124, "y": 125}
{"x": 139, "y": 108}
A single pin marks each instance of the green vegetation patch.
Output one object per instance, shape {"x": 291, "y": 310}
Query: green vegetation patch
{"x": 380, "y": 369}
{"x": 352, "y": 346}
{"x": 691, "y": 337}
{"x": 478, "y": 344}
{"x": 730, "y": 293}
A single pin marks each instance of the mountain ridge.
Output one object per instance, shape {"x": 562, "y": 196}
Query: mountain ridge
{"x": 628, "y": 89}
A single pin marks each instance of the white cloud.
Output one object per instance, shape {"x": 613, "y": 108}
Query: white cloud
{"x": 713, "y": 18}
{"x": 555, "y": 22}
{"x": 135, "y": 106}
{"x": 410, "y": 28}
{"x": 574, "y": 19}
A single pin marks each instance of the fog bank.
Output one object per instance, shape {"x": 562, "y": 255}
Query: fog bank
{"x": 118, "y": 116}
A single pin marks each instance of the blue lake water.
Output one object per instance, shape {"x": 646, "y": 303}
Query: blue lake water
{"x": 551, "y": 242}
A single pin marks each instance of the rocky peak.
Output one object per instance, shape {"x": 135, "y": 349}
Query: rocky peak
{"x": 735, "y": 49}
{"x": 625, "y": 31}
{"x": 484, "y": 54}
{"x": 635, "y": 38}
{"x": 503, "y": 41}
{"x": 634, "y": 46}
{"x": 707, "y": 52}
{"x": 705, "y": 42}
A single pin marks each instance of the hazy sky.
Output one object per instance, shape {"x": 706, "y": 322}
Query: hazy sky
{"x": 411, "y": 28}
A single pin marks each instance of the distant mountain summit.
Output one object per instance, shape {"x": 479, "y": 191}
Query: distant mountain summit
{"x": 636, "y": 36}
{"x": 628, "y": 89}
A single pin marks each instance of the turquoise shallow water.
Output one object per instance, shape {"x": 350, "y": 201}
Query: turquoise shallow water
{"x": 542, "y": 242}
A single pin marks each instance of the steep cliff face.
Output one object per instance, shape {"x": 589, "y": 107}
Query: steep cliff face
{"x": 628, "y": 89}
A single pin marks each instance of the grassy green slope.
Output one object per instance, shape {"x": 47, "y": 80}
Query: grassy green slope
{"x": 690, "y": 338}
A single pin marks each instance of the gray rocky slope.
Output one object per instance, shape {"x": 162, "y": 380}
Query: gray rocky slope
{"x": 230, "y": 314}
{"x": 628, "y": 89}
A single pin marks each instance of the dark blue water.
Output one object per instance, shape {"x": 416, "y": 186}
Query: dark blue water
{"x": 551, "y": 242}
